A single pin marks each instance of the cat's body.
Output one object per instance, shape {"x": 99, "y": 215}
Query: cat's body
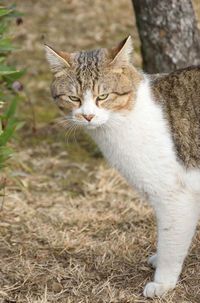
{"x": 148, "y": 133}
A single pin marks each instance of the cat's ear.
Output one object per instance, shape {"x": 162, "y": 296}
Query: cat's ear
{"x": 121, "y": 53}
{"x": 57, "y": 59}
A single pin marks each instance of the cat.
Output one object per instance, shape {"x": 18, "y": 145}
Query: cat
{"x": 148, "y": 128}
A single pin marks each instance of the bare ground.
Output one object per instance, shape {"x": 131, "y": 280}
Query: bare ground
{"x": 76, "y": 233}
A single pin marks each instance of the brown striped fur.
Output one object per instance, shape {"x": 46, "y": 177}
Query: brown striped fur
{"x": 179, "y": 95}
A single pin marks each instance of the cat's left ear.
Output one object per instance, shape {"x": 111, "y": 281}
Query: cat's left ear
{"x": 57, "y": 59}
{"x": 122, "y": 53}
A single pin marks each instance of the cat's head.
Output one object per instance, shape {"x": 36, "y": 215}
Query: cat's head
{"x": 90, "y": 87}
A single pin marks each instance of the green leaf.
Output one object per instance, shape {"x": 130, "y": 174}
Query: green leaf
{"x": 4, "y": 12}
{"x": 13, "y": 77}
{"x": 5, "y": 41}
{"x": 8, "y": 47}
{"x": 6, "y": 70}
{"x": 5, "y": 45}
{"x": 4, "y": 159}
{"x": 6, "y": 135}
{"x": 2, "y": 56}
{"x": 12, "y": 107}
{"x": 5, "y": 153}
{"x": 13, "y": 13}
{"x": 20, "y": 125}
{"x": 9, "y": 122}
{"x": 17, "y": 75}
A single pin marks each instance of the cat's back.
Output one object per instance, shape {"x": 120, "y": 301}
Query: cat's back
{"x": 178, "y": 94}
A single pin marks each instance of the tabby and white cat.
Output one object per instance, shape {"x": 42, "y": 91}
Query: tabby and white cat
{"x": 148, "y": 127}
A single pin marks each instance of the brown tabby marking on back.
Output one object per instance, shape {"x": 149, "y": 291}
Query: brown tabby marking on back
{"x": 179, "y": 95}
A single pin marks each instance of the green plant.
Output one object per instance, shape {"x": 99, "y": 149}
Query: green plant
{"x": 9, "y": 88}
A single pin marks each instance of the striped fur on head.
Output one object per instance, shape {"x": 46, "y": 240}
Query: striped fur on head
{"x": 101, "y": 72}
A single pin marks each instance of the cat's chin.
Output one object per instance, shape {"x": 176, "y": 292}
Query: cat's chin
{"x": 93, "y": 126}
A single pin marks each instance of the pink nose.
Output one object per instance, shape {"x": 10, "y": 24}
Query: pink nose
{"x": 88, "y": 117}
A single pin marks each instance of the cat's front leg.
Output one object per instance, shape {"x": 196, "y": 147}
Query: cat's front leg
{"x": 177, "y": 220}
{"x": 153, "y": 261}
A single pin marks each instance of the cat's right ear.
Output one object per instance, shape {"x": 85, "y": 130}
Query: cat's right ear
{"x": 57, "y": 59}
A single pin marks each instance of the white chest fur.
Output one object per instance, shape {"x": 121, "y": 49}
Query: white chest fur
{"x": 139, "y": 145}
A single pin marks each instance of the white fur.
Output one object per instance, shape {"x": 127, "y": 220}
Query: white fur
{"x": 140, "y": 147}
{"x": 89, "y": 107}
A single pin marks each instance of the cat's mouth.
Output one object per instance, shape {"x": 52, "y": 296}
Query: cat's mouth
{"x": 92, "y": 125}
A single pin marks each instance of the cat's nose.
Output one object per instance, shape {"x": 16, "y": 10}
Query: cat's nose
{"x": 88, "y": 117}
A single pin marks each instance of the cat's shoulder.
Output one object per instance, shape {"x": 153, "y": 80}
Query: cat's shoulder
{"x": 178, "y": 94}
{"x": 183, "y": 77}
{"x": 177, "y": 88}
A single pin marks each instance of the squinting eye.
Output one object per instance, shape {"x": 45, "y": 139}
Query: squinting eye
{"x": 102, "y": 97}
{"x": 74, "y": 98}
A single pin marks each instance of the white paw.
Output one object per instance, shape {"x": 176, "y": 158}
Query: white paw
{"x": 155, "y": 289}
{"x": 153, "y": 261}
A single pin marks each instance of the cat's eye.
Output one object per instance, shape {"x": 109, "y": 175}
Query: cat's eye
{"x": 102, "y": 97}
{"x": 74, "y": 98}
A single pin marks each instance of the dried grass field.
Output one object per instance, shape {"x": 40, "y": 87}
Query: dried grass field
{"x": 76, "y": 233}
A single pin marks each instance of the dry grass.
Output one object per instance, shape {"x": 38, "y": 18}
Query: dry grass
{"x": 79, "y": 233}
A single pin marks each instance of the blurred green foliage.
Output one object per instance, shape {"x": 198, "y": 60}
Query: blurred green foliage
{"x": 10, "y": 86}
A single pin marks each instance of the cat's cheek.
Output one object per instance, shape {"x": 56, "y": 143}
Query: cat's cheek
{"x": 65, "y": 111}
{"x": 102, "y": 117}
{"x": 120, "y": 104}
{"x": 65, "y": 107}
{"x": 77, "y": 116}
